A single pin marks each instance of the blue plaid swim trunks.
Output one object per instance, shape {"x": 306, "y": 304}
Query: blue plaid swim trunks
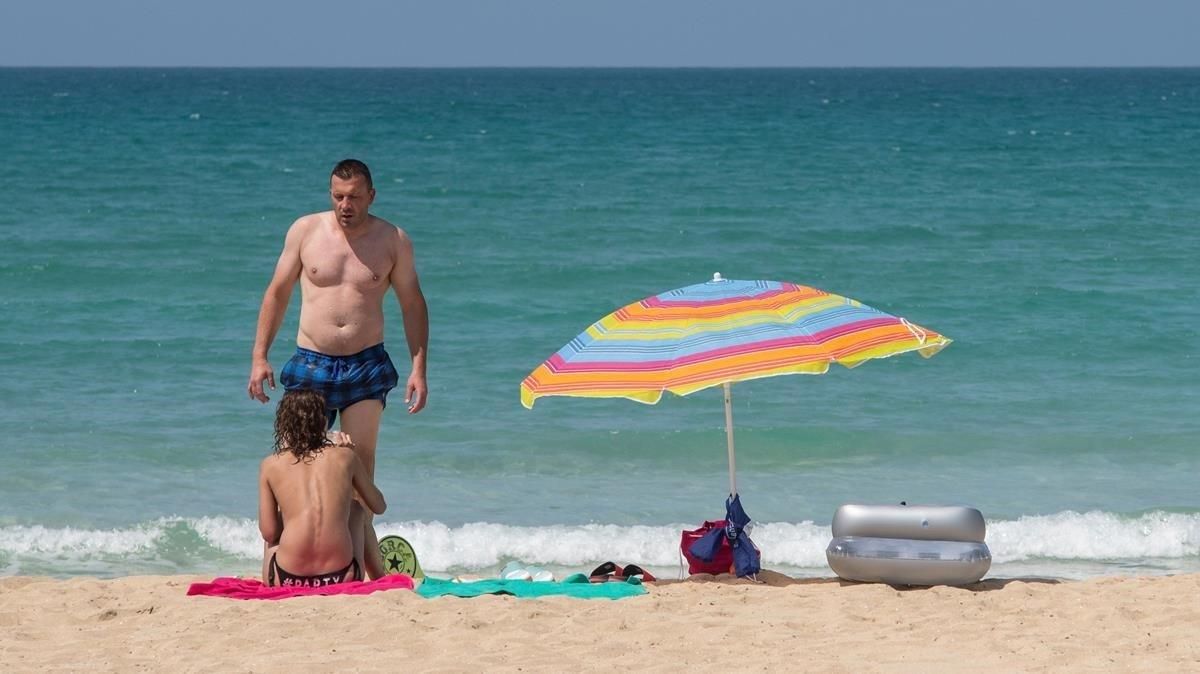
{"x": 344, "y": 380}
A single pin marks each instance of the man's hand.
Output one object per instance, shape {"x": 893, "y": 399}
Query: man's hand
{"x": 259, "y": 371}
{"x": 415, "y": 393}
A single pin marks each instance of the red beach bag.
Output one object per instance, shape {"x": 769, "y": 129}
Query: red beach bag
{"x": 721, "y": 563}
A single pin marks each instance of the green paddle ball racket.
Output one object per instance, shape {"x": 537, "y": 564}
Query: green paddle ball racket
{"x": 399, "y": 557}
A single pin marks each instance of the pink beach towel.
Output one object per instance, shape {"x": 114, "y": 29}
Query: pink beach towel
{"x": 248, "y": 588}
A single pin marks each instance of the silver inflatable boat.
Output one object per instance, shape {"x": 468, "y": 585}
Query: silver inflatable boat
{"x": 909, "y": 545}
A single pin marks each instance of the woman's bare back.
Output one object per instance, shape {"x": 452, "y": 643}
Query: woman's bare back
{"x": 314, "y": 500}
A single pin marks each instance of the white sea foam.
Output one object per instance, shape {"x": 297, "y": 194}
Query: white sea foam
{"x": 1095, "y": 536}
{"x": 81, "y": 543}
{"x": 1065, "y": 537}
{"x": 233, "y": 536}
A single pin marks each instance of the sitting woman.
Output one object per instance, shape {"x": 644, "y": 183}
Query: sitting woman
{"x": 310, "y": 518}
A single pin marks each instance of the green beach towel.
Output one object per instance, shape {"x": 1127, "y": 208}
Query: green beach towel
{"x": 436, "y": 587}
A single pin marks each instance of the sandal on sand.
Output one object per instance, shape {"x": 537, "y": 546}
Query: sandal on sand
{"x": 540, "y": 575}
{"x": 634, "y": 571}
{"x": 514, "y": 571}
{"x": 630, "y": 573}
{"x": 604, "y": 573}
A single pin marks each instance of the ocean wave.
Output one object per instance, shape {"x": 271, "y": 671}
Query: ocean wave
{"x": 1095, "y": 536}
{"x": 68, "y": 541}
{"x": 195, "y": 544}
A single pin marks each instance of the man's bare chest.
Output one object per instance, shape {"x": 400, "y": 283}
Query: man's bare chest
{"x": 363, "y": 266}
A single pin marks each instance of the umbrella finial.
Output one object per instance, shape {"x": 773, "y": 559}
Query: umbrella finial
{"x": 717, "y": 278}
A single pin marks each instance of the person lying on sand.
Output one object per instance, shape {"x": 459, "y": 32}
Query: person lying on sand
{"x": 310, "y": 520}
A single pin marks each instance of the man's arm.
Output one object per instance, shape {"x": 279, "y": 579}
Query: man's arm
{"x": 416, "y": 319}
{"x": 365, "y": 486}
{"x": 270, "y": 521}
{"x": 271, "y": 313}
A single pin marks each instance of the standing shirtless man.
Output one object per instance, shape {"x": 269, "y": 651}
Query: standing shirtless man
{"x": 345, "y": 260}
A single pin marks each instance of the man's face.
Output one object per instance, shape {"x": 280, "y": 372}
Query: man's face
{"x": 350, "y": 198}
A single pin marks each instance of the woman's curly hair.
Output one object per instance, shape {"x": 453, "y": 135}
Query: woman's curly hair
{"x": 300, "y": 423}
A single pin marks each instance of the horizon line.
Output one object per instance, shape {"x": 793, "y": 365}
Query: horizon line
{"x": 596, "y": 67}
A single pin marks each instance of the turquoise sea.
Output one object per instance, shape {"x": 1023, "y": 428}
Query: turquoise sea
{"x": 1047, "y": 220}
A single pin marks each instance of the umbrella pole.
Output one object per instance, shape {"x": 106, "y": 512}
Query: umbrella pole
{"x": 729, "y": 439}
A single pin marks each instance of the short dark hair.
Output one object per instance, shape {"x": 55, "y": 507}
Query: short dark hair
{"x": 348, "y": 168}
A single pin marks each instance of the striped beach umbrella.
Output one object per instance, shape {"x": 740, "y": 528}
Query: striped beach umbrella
{"x": 718, "y": 333}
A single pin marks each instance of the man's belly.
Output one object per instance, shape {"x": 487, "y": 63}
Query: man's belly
{"x": 339, "y": 330}
{"x": 343, "y": 341}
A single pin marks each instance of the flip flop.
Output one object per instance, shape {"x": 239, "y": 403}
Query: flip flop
{"x": 603, "y": 573}
{"x": 634, "y": 571}
{"x": 514, "y": 571}
{"x": 399, "y": 557}
{"x": 540, "y": 575}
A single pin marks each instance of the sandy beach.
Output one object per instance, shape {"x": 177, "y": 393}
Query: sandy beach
{"x": 705, "y": 624}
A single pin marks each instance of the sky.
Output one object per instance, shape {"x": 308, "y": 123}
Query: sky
{"x": 616, "y": 33}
